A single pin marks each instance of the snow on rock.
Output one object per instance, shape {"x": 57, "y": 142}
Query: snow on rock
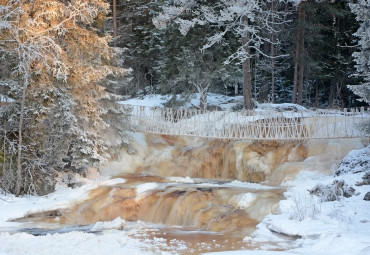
{"x": 356, "y": 161}
{"x": 332, "y": 192}
{"x": 142, "y": 188}
{"x": 282, "y": 107}
{"x": 112, "y": 182}
{"x": 117, "y": 223}
{"x": 214, "y": 100}
{"x": 153, "y": 100}
{"x": 245, "y": 200}
{"x": 16, "y": 207}
{"x": 337, "y": 227}
{"x": 187, "y": 179}
{"x": 248, "y": 185}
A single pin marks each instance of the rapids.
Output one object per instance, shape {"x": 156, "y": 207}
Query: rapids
{"x": 221, "y": 188}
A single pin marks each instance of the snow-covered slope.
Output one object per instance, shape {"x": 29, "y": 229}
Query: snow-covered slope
{"x": 222, "y": 102}
{"x": 327, "y": 213}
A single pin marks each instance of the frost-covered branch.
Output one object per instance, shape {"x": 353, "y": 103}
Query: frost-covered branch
{"x": 362, "y": 57}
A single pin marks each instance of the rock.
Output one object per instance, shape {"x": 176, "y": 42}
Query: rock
{"x": 366, "y": 180}
{"x": 367, "y": 196}
{"x": 71, "y": 179}
{"x": 333, "y": 192}
{"x": 91, "y": 174}
{"x": 356, "y": 161}
{"x": 44, "y": 182}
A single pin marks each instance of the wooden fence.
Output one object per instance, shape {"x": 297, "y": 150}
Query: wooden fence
{"x": 252, "y": 125}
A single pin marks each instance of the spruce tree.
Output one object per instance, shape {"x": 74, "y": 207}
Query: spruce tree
{"x": 362, "y": 57}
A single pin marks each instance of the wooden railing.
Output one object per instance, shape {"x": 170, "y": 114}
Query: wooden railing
{"x": 252, "y": 125}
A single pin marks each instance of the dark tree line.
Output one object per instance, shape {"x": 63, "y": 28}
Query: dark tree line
{"x": 305, "y": 58}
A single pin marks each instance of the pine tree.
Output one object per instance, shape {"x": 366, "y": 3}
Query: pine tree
{"x": 59, "y": 64}
{"x": 322, "y": 45}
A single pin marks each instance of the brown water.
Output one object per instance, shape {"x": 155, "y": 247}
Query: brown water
{"x": 209, "y": 211}
{"x": 206, "y": 215}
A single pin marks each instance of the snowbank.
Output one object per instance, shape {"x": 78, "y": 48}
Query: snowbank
{"x": 335, "y": 227}
{"x": 214, "y": 100}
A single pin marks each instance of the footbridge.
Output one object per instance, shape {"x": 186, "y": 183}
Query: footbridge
{"x": 253, "y": 124}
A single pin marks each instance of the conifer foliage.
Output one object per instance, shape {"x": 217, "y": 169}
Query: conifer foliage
{"x": 362, "y": 57}
{"x": 59, "y": 60}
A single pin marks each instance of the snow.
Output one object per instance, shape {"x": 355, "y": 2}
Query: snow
{"x": 112, "y": 182}
{"x": 16, "y": 207}
{"x": 108, "y": 241}
{"x": 154, "y": 100}
{"x": 142, "y": 188}
{"x": 306, "y": 223}
{"x": 4, "y": 98}
{"x": 245, "y": 200}
{"x": 282, "y": 107}
{"x": 187, "y": 179}
{"x": 117, "y": 223}
{"x": 316, "y": 227}
{"x": 331, "y": 227}
{"x": 112, "y": 242}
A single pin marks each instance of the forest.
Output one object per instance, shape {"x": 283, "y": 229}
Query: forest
{"x": 66, "y": 63}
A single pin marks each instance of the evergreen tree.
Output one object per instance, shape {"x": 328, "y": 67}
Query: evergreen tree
{"x": 140, "y": 40}
{"x": 59, "y": 62}
{"x": 322, "y": 53}
{"x": 362, "y": 57}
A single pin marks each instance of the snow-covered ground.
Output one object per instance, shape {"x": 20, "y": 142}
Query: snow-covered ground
{"x": 110, "y": 239}
{"x": 315, "y": 225}
{"x": 319, "y": 225}
{"x": 306, "y": 224}
{"x": 156, "y": 100}
{"x": 221, "y": 102}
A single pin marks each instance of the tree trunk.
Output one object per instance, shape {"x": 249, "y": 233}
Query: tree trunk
{"x": 247, "y": 78}
{"x": 317, "y": 100}
{"x": 203, "y": 100}
{"x": 265, "y": 77}
{"x": 298, "y": 54}
{"x": 300, "y": 61}
{"x": 295, "y": 81}
{"x": 272, "y": 55}
{"x": 115, "y": 23}
{"x": 300, "y": 84}
{"x": 19, "y": 156}
{"x": 331, "y": 95}
{"x": 247, "y": 83}
{"x": 340, "y": 95}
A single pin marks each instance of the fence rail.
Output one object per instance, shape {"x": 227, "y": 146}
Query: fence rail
{"x": 252, "y": 125}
